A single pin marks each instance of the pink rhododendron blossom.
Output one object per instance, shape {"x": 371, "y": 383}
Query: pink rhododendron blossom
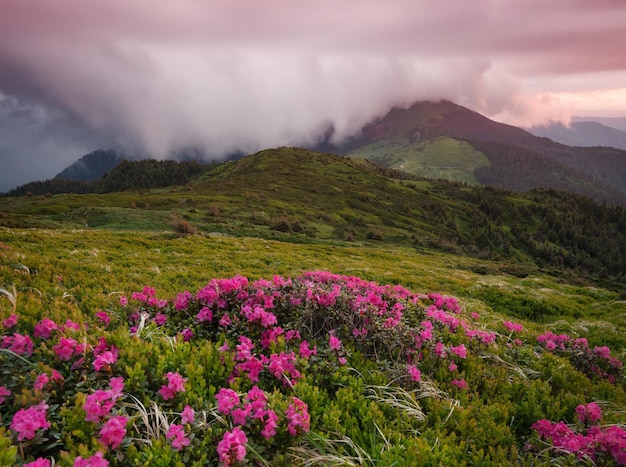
{"x": 204, "y": 315}
{"x": 257, "y": 399}
{"x": 71, "y": 325}
{"x": 175, "y": 384}
{"x": 103, "y": 317}
{"x": 334, "y": 342}
{"x": 440, "y": 350}
{"x": 241, "y": 414}
{"x": 306, "y": 351}
{"x": 232, "y": 447}
{"x": 225, "y": 321}
{"x": 414, "y": 373}
{"x": 27, "y": 421}
{"x": 117, "y": 386}
{"x": 10, "y": 321}
{"x": 176, "y": 433}
{"x": 106, "y": 358}
{"x": 18, "y": 343}
{"x": 271, "y": 424}
{"x": 4, "y": 393}
{"x": 244, "y": 349}
{"x": 43, "y": 329}
{"x": 98, "y": 405}
{"x": 160, "y": 319}
{"x": 187, "y": 334}
{"x": 39, "y": 462}
{"x": 453, "y": 366}
{"x": 298, "y": 415}
{"x": 113, "y": 431}
{"x": 41, "y": 381}
{"x": 513, "y": 327}
{"x": 460, "y": 351}
{"x": 475, "y": 315}
{"x": 97, "y": 460}
{"x": 460, "y": 383}
{"x": 342, "y": 360}
{"x": 187, "y": 415}
{"x": 589, "y": 413}
{"x": 65, "y": 348}
{"x": 227, "y": 400}
{"x": 123, "y": 301}
{"x": 182, "y": 300}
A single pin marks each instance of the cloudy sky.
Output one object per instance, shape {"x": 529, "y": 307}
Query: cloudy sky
{"x": 241, "y": 75}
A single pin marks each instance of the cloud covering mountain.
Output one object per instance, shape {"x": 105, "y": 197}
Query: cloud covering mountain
{"x": 239, "y": 76}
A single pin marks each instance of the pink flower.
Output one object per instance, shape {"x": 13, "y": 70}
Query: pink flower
{"x": 334, "y": 342}
{"x": 106, "y": 358}
{"x": 44, "y": 328}
{"x": 41, "y": 381}
{"x": 39, "y": 462}
{"x": 460, "y": 383}
{"x": 98, "y": 405}
{"x": 187, "y": 415}
{"x": 204, "y": 315}
{"x": 225, "y": 321}
{"x": 305, "y": 351}
{"x": 4, "y": 393}
{"x": 453, "y": 366}
{"x": 240, "y": 415}
{"x": 160, "y": 319}
{"x": 113, "y": 431}
{"x": 589, "y": 413}
{"x": 460, "y": 351}
{"x": 298, "y": 416}
{"x": 21, "y": 345}
{"x": 440, "y": 350}
{"x": 342, "y": 360}
{"x": 271, "y": 424}
{"x": 176, "y": 383}
{"x": 65, "y": 348}
{"x": 104, "y": 317}
{"x": 10, "y": 321}
{"x": 117, "y": 386}
{"x": 96, "y": 460}
{"x": 69, "y": 324}
{"x": 513, "y": 327}
{"x": 227, "y": 399}
{"x": 414, "y": 373}
{"x": 26, "y": 421}
{"x": 257, "y": 400}
{"x": 177, "y": 434}
{"x": 123, "y": 301}
{"x": 232, "y": 447}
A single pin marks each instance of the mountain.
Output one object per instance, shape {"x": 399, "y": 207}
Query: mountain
{"x": 92, "y": 166}
{"x": 445, "y": 140}
{"x": 612, "y": 122}
{"x": 582, "y": 133}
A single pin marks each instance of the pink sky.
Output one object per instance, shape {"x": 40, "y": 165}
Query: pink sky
{"x": 242, "y": 75}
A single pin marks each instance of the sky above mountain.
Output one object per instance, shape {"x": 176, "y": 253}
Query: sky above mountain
{"x": 235, "y": 75}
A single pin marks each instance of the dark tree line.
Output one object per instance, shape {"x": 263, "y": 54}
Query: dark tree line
{"x": 127, "y": 175}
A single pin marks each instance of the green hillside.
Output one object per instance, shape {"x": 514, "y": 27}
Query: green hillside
{"x": 300, "y": 308}
{"x": 445, "y": 140}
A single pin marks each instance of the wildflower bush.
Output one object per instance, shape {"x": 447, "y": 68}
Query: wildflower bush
{"x": 319, "y": 369}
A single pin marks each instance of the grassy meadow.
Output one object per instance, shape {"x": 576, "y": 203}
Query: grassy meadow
{"x": 336, "y": 349}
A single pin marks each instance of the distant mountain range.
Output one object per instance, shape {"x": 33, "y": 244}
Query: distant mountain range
{"x": 442, "y": 140}
{"x": 583, "y": 133}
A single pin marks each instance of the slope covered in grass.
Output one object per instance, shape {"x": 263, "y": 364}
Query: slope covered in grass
{"x": 168, "y": 333}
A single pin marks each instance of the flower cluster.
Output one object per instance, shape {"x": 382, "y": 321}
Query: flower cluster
{"x": 596, "y": 361}
{"x": 601, "y": 444}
